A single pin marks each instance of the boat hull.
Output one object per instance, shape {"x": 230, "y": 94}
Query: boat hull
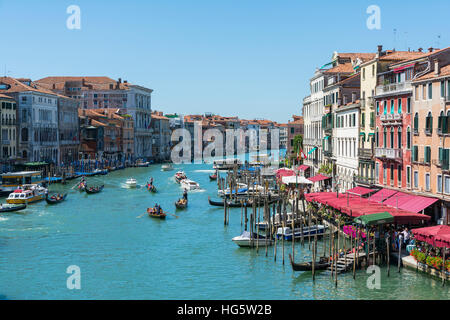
{"x": 26, "y": 201}
{"x": 13, "y": 208}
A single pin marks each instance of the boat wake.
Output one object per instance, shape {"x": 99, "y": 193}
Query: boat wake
{"x": 3, "y": 219}
{"x": 205, "y": 171}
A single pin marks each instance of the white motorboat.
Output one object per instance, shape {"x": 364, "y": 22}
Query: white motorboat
{"x": 27, "y": 193}
{"x": 167, "y": 167}
{"x": 189, "y": 184}
{"x": 131, "y": 183}
{"x": 180, "y": 175}
{"x": 286, "y": 232}
{"x": 242, "y": 189}
{"x": 248, "y": 240}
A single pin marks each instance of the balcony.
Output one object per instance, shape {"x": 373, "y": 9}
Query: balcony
{"x": 391, "y": 118}
{"x": 5, "y": 142}
{"x": 364, "y": 180}
{"x": 328, "y": 153}
{"x": 365, "y": 153}
{"x": 443, "y": 164}
{"x": 393, "y": 88}
{"x": 388, "y": 153}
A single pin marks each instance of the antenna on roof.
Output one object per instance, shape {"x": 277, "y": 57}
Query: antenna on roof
{"x": 438, "y": 42}
{"x": 395, "y": 38}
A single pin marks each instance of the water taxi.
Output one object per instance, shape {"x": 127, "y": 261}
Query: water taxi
{"x": 226, "y": 164}
{"x": 12, "y": 180}
{"x": 131, "y": 183}
{"x": 189, "y": 184}
{"x": 27, "y": 193}
{"x": 167, "y": 167}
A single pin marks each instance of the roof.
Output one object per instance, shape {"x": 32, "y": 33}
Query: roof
{"x": 382, "y": 195}
{"x": 95, "y": 83}
{"x": 17, "y": 86}
{"x": 4, "y": 96}
{"x": 402, "y": 55}
{"x": 425, "y": 55}
{"x": 410, "y": 202}
{"x": 444, "y": 72}
{"x": 341, "y": 68}
{"x": 356, "y": 55}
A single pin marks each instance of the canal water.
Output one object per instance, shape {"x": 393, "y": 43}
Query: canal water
{"x": 123, "y": 254}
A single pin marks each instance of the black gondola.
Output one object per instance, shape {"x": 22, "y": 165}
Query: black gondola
{"x": 54, "y": 198}
{"x": 323, "y": 264}
{"x": 181, "y": 205}
{"x": 92, "y": 190}
{"x": 247, "y": 204}
{"x": 213, "y": 177}
{"x": 11, "y": 208}
{"x": 151, "y": 188}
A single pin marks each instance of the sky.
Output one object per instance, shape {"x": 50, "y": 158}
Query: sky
{"x": 246, "y": 58}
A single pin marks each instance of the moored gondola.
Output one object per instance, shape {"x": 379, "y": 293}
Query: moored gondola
{"x": 92, "y": 190}
{"x": 55, "y": 198}
{"x": 12, "y": 207}
{"x": 323, "y": 264}
{"x": 247, "y": 204}
{"x": 213, "y": 177}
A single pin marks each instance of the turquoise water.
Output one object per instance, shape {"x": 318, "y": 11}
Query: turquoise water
{"x": 123, "y": 254}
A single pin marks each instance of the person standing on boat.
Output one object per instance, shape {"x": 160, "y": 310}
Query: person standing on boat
{"x": 185, "y": 194}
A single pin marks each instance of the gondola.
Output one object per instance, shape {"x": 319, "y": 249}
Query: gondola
{"x": 247, "y": 204}
{"x": 152, "y": 214}
{"x": 151, "y": 188}
{"x": 213, "y": 177}
{"x": 54, "y": 199}
{"x": 180, "y": 204}
{"x": 323, "y": 264}
{"x": 82, "y": 187}
{"x": 12, "y": 207}
{"x": 92, "y": 190}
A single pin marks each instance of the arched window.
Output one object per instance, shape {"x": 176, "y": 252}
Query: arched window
{"x": 429, "y": 123}
{"x": 440, "y": 122}
{"x": 24, "y": 154}
{"x": 392, "y": 137}
{"x": 399, "y": 138}
{"x": 385, "y": 137}
{"x": 377, "y": 139}
{"x": 416, "y": 123}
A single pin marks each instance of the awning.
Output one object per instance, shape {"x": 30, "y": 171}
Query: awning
{"x": 442, "y": 241}
{"x": 360, "y": 191}
{"x": 284, "y": 173}
{"x": 371, "y": 135}
{"x": 398, "y": 70}
{"x": 312, "y": 150}
{"x": 382, "y": 195}
{"x": 375, "y": 219}
{"x": 295, "y": 180}
{"x": 303, "y": 167}
{"x": 326, "y": 137}
{"x": 410, "y": 202}
{"x": 429, "y": 234}
{"x": 319, "y": 177}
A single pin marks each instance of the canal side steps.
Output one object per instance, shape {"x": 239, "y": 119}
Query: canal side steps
{"x": 343, "y": 264}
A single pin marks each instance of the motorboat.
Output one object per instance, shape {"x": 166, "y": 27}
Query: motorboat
{"x": 180, "y": 175}
{"x": 167, "y": 167}
{"x": 189, "y": 184}
{"x": 28, "y": 193}
{"x": 286, "y": 232}
{"x": 131, "y": 183}
{"x": 142, "y": 163}
{"x": 246, "y": 239}
{"x": 11, "y": 207}
{"x": 242, "y": 189}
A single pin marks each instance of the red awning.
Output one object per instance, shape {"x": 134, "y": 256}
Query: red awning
{"x": 318, "y": 178}
{"x": 397, "y": 70}
{"x": 428, "y": 234}
{"x": 382, "y": 195}
{"x": 285, "y": 173}
{"x": 361, "y": 191}
{"x": 410, "y": 202}
{"x": 303, "y": 167}
{"x": 442, "y": 241}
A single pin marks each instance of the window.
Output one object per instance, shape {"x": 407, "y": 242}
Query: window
{"x": 442, "y": 89}
{"x": 378, "y": 107}
{"x": 415, "y": 153}
{"x": 399, "y": 175}
{"x": 372, "y": 120}
{"x": 399, "y": 137}
{"x": 385, "y": 137}
{"x": 416, "y": 123}
{"x": 440, "y": 122}
{"x": 427, "y": 181}
{"x": 427, "y": 154}
{"x": 363, "y": 120}
{"x": 377, "y": 170}
{"x": 377, "y": 139}
{"x": 392, "y": 174}
{"x": 408, "y": 105}
{"x": 416, "y": 179}
{"x": 384, "y": 173}
{"x": 399, "y": 108}
{"x": 385, "y": 107}
{"x": 439, "y": 183}
{"x": 392, "y": 138}
{"x": 429, "y": 123}
{"x": 408, "y": 138}
{"x": 447, "y": 185}
{"x": 392, "y": 106}
{"x": 430, "y": 91}
{"x": 408, "y": 175}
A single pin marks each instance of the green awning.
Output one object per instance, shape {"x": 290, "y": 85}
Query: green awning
{"x": 375, "y": 219}
{"x": 327, "y": 64}
{"x": 312, "y": 150}
{"x": 371, "y": 135}
{"x": 326, "y": 138}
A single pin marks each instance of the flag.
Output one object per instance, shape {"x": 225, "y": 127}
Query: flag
{"x": 302, "y": 154}
{"x": 312, "y": 150}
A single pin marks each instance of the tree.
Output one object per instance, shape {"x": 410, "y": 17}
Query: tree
{"x": 298, "y": 142}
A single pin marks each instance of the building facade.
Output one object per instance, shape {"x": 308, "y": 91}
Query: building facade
{"x": 8, "y": 130}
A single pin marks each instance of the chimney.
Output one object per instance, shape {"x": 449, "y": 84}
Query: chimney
{"x": 420, "y": 49}
{"x": 125, "y": 81}
{"x": 430, "y": 49}
{"x": 380, "y": 51}
{"x": 111, "y": 86}
{"x": 437, "y": 70}
{"x": 120, "y": 80}
{"x": 54, "y": 86}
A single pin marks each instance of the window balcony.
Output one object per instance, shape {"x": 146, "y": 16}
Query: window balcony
{"x": 391, "y": 118}
{"x": 388, "y": 153}
{"x": 393, "y": 88}
{"x": 365, "y": 153}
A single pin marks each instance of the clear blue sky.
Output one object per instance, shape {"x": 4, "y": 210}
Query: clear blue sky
{"x": 236, "y": 57}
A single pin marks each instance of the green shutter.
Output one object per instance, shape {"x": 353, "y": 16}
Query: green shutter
{"x": 441, "y": 154}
